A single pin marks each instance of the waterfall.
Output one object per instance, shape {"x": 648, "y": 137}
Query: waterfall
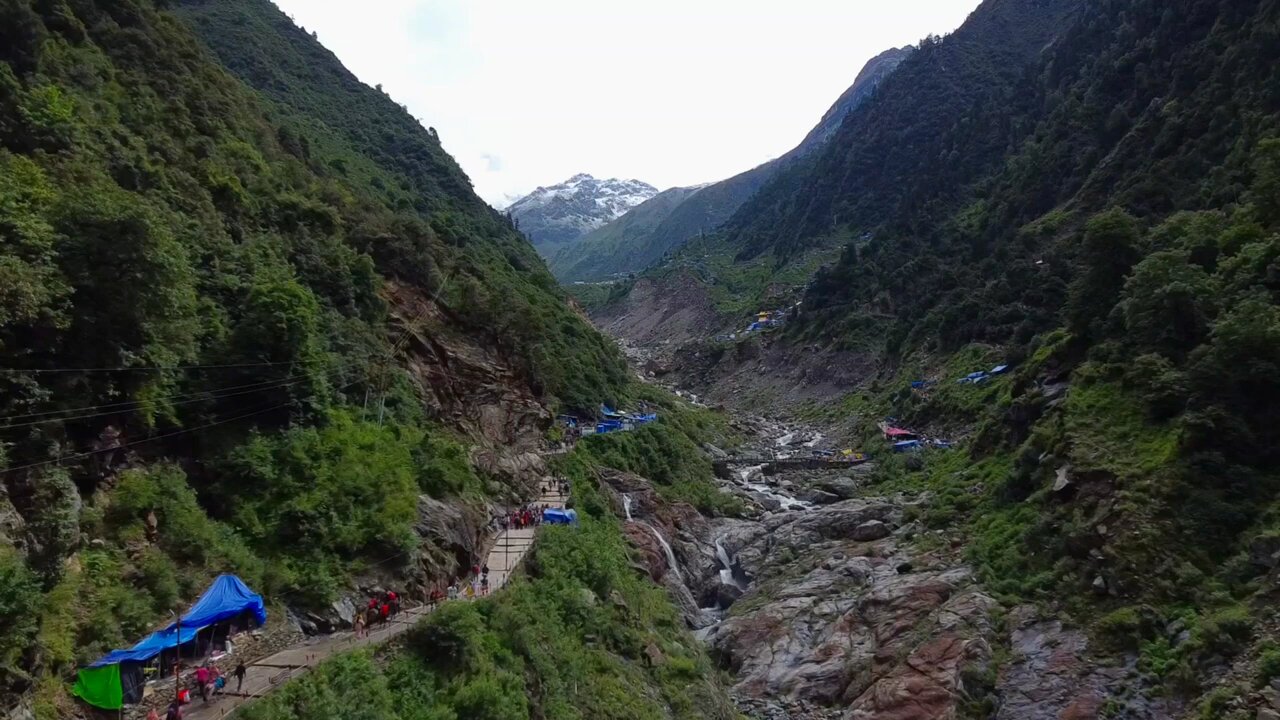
{"x": 671, "y": 556}
{"x": 626, "y": 505}
{"x": 726, "y": 565}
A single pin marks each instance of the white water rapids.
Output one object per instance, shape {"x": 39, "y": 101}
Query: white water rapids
{"x": 726, "y": 566}
{"x": 785, "y": 501}
{"x": 671, "y": 556}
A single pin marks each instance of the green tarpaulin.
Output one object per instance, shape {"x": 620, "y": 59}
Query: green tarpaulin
{"x": 100, "y": 687}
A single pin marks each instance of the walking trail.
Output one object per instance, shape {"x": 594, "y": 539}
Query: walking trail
{"x": 268, "y": 673}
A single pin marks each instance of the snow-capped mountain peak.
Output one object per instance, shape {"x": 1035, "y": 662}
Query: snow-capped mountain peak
{"x": 554, "y": 215}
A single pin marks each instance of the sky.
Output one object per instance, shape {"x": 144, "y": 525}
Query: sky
{"x": 672, "y": 92}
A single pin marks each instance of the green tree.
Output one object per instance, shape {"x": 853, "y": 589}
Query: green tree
{"x": 1266, "y": 182}
{"x": 1108, "y": 251}
{"x": 1167, "y": 305}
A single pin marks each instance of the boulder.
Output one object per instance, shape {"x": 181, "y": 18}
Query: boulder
{"x": 820, "y": 497}
{"x": 768, "y": 502}
{"x": 870, "y": 530}
{"x": 1264, "y": 551}
{"x": 345, "y": 611}
{"x": 727, "y": 594}
{"x": 714, "y": 451}
{"x": 842, "y": 487}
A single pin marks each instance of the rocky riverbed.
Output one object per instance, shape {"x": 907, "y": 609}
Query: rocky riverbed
{"x": 826, "y": 601}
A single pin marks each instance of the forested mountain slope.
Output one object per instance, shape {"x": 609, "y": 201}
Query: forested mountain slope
{"x": 1089, "y": 192}
{"x": 608, "y": 251}
{"x": 922, "y": 118}
{"x": 240, "y": 332}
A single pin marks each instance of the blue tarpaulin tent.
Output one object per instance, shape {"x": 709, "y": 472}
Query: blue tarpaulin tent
{"x": 605, "y": 426}
{"x": 999, "y": 369}
{"x": 555, "y": 516}
{"x": 226, "y": 598}
{"x": 906, "y": 445}
{"x": 115, "y": 678}
{"x": 609, "y": 412}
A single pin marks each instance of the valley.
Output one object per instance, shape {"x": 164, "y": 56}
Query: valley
{"x": 962, "y": 408}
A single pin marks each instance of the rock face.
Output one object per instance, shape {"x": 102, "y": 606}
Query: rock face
{"x": 1050, "y": 676}
{"x": 471, "y": 387}
{"x": 452, "y": 535}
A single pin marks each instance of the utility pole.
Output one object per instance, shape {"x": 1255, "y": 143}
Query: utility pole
{"x": 177, "y": 659}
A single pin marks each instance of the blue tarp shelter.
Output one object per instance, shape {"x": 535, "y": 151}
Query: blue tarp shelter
{"x": 609, "y": 412}
{"x": 906, "y": 445}
{"x": 999, "y": 369}
{"x": 642, "y": 419}
{"x": 606, "y": 426}
{"x": 116, "y": 678}
{"x": 917, "y": 383}
{"x": 555, "y": 516}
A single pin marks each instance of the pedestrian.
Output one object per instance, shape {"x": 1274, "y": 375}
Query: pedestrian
{"x": 175, "y": 711}
{"x": 453, "y": 591}
{"x": 202, "y": 682}
{"x": 484, "y": 585}
{"x": 385, "y": 612}
{"x": 358, "y": 624}
{"x": 241, "y": 669}
{"x": 394, "y": 601}
{"x": 370, "y": 619}
{"x": 484, "y": 571}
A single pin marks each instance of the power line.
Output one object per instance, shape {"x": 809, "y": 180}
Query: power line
{"x": 125, "y": 368}
{"x": 175, "y": 433}
{"x": 126, "y": 405}
{"x": 208, "y": 395}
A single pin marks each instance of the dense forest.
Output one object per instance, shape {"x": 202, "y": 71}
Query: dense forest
{"x": 212, "y": 305}
{"x": 1088, "y": 191}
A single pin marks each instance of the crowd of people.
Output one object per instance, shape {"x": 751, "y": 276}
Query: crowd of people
{"x": 208, "y": 680}
{"x": 381, "y": 609}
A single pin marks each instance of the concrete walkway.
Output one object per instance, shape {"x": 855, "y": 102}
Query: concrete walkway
{"x": 268, "y": 673}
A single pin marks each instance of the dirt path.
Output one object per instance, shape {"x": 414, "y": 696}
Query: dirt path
{"x": 266, "y": 674}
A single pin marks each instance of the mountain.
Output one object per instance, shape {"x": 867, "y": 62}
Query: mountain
{"x": 1083, "y": 197}
{"x": 621, "y": 240}
{"x": 557, "y": 215}
{"x": 254, "y": 320}
{"x": 609, "y": 251}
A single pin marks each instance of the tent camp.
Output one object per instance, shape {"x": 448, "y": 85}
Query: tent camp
{"x": 117, "y": 678}
{"x": 556, "y": 516}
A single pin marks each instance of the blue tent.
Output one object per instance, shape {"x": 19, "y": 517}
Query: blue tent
{"x": 609, "y": 412}
{"x": 906, "y": 445}
{"x": 226, "y": 598}
{"x": 555, "y": 516}
{"x": 605, "y": 426}
{"x": 917, "y": 383}
{"x": 115, "y": 678}
{"x": 999, "y": 369}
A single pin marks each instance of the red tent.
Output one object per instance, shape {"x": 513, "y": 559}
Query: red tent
{"x": 893, "y": 433}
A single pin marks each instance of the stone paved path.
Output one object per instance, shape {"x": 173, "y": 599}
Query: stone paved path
{"x": 265, "y": 674}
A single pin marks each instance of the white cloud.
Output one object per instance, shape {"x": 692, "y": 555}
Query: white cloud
{"x": 672, "y": 92}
